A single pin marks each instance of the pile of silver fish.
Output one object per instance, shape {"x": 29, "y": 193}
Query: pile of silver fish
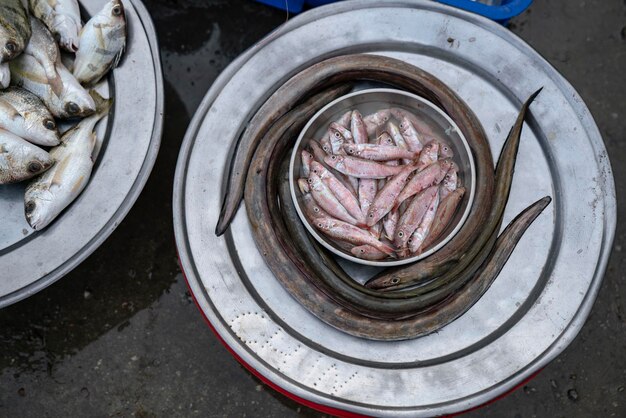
{"x": 40, "y": 85}
{"x": 378, "y": 186}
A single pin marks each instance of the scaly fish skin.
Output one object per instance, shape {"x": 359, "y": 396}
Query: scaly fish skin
{"x": 19, "y": 159}
{"x": 62, "y": 17}
{"x": 74, "y": 100}
{"x": 50, "y": 193}
{"x": 312, "y": 209}
{"x": 357, "y": 167}
{"x": 25, "y": 115}
{"x": 102, "y": 43}
{"x": 15, "y": 29}
{"x": 44, "y": 49}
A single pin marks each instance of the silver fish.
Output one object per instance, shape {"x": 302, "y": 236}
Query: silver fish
{"x": 44, "y": 49}
{"x": 19, "y": 159}
{"x": 53, "y": 191}
{"x": 74, "y": 100}
{"x": 62, "y": 17}
{"x": 14, "y": 29}
{"x": 22, "y": 113}
{"x": 102, "y": 43}
{"x": 306, "y": 158}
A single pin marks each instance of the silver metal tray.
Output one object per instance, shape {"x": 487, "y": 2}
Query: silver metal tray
{"x": 130, "y": 138}
{"x": 528, "y": 316}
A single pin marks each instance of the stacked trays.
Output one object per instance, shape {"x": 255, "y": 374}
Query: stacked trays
{"x": 535, "y": 307}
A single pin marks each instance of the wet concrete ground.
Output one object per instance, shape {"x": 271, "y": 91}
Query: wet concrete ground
{"x": 120, "y": 335}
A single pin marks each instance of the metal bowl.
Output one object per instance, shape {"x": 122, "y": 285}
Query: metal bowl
{"x": 369, "y": 101}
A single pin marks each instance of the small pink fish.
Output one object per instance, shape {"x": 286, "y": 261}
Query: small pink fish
{"x": 312, "y": 209}
{"x": 386, "y": 198}
{"x": 410, "y": 135}
{"x": 306, "y": 158}
{"x": 378, "y": 152}
{"x": 357, "y": 167}
{"x": 357, "y": 126}
{"x": 327, "y": 200}
{"x": 389, "y": 223}
{"x": 367, "y": 193}
{"x": 422, "y": 127}
{"x": 351, "y": 183}
{"x": 375, "y": 120}
{"x": 345, "y": 232}
{"x": 341, "y": 192}
{"x": 429, "y": 154}
{"x": 445, "y": 212}
{"x": 450, "y": 181}
{"x": 418, "y": 237}
{"x": 430, "y": 176}
{"x": 411, "y": 218}
{"x": 367, "y": 252}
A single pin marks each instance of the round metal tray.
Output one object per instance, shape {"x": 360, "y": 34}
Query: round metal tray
{"x": 129, "y": 140}
{"x": 532, "y": 311}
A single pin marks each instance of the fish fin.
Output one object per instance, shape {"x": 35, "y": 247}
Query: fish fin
{"x": 8, "y": 109}
{"x": 102, "y": 105}
{"x": 118, "y": 56}
{"x": 56, "y": 83}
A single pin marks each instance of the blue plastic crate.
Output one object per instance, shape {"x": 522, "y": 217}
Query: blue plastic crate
{"x": 500, "y": 13}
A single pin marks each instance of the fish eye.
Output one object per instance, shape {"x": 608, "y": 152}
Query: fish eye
{"x": 310, "y": 180}
{"x": 334, "y": 157}
{"x": 410, "y": 240}
{"x": 117, "y": 10}
{"x": 362, "y": 251}
{"x": 30, "y": 206}
{"x": 337, "y": 135}
{"x": 400, "y": 234}
{"x": 72, "y": 108}
{"x": 320, "y": 224}
{"x": 371, "y": 215}
{"x": 325, "y": 148}
{"x": 316, "y": 209}
{"x": 395, "y": 280}
{"x": 402, "y": 126}
{"x": 34, "y": 166}
{"x": 11, "y": 46}
{"x": 49, "y": 124}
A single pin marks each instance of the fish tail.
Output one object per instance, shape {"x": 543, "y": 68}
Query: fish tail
{"x": 102, "y": 105}
{"x": 55, "y": 82}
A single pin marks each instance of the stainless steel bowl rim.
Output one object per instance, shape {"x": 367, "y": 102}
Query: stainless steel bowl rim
{"x": 384, "y": 263}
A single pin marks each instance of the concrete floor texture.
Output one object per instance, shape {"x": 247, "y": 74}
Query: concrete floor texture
{"x": 121, "y": 336}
